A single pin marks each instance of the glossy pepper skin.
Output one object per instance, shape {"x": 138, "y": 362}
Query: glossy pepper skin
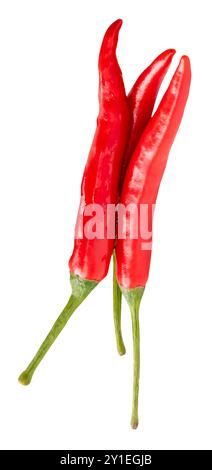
{"x": 100, "y": 184}
{"x": 141, "y": 100}
{"x": 90, "y": 259}
{"x": 145, "y": 172}
{"x": 141, "y": 186}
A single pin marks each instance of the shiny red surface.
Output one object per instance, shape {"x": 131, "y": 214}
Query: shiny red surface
{"x": 100, "y": 184}
{"x": 141, "y": 100}
{"x": 145, "y": 172}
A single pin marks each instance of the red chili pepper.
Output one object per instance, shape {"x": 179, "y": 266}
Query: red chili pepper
{"x": 101, "y": 184}
{"x": 141, "y": 100}
{"x": 90, "y": 259}
{"x": 140, "y": 187}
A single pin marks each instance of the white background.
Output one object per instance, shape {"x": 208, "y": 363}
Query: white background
{"x": 80, "y": 397}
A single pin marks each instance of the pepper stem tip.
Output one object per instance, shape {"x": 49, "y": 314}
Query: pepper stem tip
{"x": 121, "y": 350}
{"x": 25, "y": 378}
{"x": 134, "y": 423}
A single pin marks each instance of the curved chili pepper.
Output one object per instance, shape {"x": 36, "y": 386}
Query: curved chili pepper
{"x": 141, "y": 100}
{"x": 90, "y": 259}
{"x": 140, "y": 187}
{"x": 142, "y": 97}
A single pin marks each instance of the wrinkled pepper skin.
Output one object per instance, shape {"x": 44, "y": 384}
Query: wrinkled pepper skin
{"x": 100, "y": 184}
{"x": 145, "y": 172}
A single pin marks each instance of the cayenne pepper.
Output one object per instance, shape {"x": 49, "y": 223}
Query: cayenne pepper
{"x": 141, "y": 185}
{"x": 90, "y": 260}
{"x": 125, "y": 164}
{"x": 141, "y": 100}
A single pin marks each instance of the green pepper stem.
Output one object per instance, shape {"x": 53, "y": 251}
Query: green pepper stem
{"x": 133, "y": 297}
{"x": 80, "y": 290}
{"x": 136, "y": 373}
{"x": 117, "y": 297}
